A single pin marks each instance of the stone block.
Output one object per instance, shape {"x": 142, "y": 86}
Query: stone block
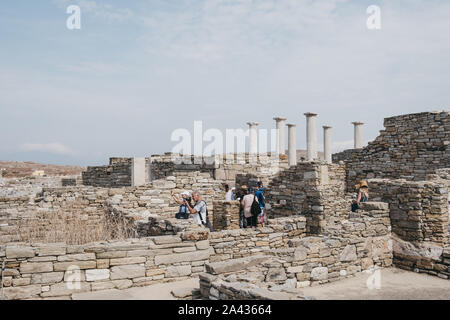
{"x": 23, "y": 292}
{"x": 47, "y": 278}
{"x": 19, "y": 252}
{"x": 51, "y": 250}
{"x": 97, "y": 274}
{"x": 66, "y": 289}
{"x": 36, "y": 267}
{"x": 183, "y": 257}
{"x": 319, "y": 273}
{"x": 127, "y": 261}
{"x": 348, "y": 254}
{"x": 127, "y": 272}
{"x": 77, "y": 257}
{"x": 178, "y": 271}
{"x": 63, "y": 266}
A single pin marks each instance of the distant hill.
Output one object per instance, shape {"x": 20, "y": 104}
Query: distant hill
{"x": 26, "y": 169}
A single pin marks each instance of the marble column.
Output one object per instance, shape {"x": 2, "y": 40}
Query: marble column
{"x": 358, "y": 135}
{"x": 292, "y": 145}
{"x": 311, "y": 136}
{"x": 327, "y": 144}
{"x": 281, "y": 135}
{"x": 253, "y": 137}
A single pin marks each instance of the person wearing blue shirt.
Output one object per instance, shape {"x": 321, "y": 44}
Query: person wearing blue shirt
{"x": 262, "y": 202}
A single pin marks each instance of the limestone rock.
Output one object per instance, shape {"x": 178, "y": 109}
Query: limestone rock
{"x": 348, "y": 254}
{"x": 97, "y": 274}
{"x": 319, "y": 273}
{"x": 127, "y": 272}
{"x": 178, "y": 271}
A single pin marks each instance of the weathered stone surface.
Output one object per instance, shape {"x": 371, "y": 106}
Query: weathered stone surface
{"x": 97, "y": 274}
{"x": 51, "y": 250}
{"x": 369, "y": 206}
{"x": 348, "y": 254}
{"x": 77, "y": 257}
{"x": 196, "y": 235}
{"x": 127, "y": 261}
{"x": 300, "y": 254}
{"x": 319, "y": 273}
{"x": 167, "y": 239}
{"x": 23, "y": 292}
{"x": 234, "y": 265}
{"x": 178, "y": 271}
{"x": 67, "y": 288}
{"x": 122, "y": 284}
{"x": 111, "y": 254}
{"x": 182, "y": 257}
{"x": 47, "y": 278}
{"x": 127, "y": 272}
{"x": 276, "y": 275}
{"x": 182, "y": 293}
{"x": 19, "y": 252}
{"x": 63, "y": 266}
{"x": 36, "y": 267}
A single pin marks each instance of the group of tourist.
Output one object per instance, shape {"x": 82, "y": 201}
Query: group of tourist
{"x": 252, "y": 204}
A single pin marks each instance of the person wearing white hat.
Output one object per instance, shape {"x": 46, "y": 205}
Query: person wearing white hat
{"x": 183, "y": 211}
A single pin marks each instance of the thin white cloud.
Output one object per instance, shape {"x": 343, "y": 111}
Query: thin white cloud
{"x": 55, "y": 148}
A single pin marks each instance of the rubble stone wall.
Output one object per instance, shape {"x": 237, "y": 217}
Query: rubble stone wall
{"x": 361, "y": 243}
{"x": 412, "y": 146}
{"x": 309, "y": 189}
{"x": 418, "y": 210}
{"x": 49, "y": 270}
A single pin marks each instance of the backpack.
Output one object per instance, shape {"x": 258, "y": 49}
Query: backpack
{"x": 261, "y": 198}
{"x": 182, "y": 214}
{"x": 255, "y": 209}
{"x": 206, "y": 223}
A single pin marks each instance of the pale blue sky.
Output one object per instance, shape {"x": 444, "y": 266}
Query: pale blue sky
{"x": 137, "y": 70}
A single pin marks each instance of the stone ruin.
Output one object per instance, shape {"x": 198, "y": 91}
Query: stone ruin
{"x": 311, "y": 237}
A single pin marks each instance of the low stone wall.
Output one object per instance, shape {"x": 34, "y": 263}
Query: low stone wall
{"x": 117, "y": 174}
{"x": 231, "y": 244}
{"x": 309, "y": 189}
{"x": 418, "y": 210}
{"x": 49, "y": 270}
{"x": 226, "y": 215}
{"x": 95, "y": 203}
{"x": 423, "y": 257}
{"x": 278, "y": 271}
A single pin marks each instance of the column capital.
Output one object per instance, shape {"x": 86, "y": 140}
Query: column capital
{"x": 253, "y": 124}
{"x": 291, "y": 125}
{"x": 279, "y": 119}
{"x": 357, "y": 123}
{"x": 327, "y": 127}
{"x": 310, "y": 114}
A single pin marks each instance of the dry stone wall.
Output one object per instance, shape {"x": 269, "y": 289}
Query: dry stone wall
{"x": 48, "y": 270}
{"x": 276, "y": 272}
{"x": 309, "y": 189}
{"x": 412, "y": 146}
{"x": 418, "y": 210}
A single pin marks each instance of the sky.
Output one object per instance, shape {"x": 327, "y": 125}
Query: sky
{"x": 138, "y": 70}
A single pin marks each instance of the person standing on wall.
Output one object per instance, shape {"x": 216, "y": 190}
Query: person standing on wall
{"x": 262, "y": 202}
